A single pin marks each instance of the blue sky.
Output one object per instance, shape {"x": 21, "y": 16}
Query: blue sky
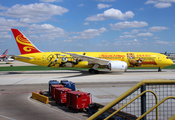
{"x": 90, "y": 25}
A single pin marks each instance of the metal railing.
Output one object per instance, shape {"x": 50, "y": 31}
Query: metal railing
{"x": 132, "y": 101}
{"x": 156, "y": 106}
{"x": 162, "y": 88}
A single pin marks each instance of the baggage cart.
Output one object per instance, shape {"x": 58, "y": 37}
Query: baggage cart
{"x": 52, "y": 82}
{"x": 61, "y": 95}
{"x": 78, "y": 100}
{"x": 68, "y": 84}
{"x": 53, "y": 87}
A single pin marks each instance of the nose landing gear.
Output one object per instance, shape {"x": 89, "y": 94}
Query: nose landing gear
{"x": 159, "y": 70}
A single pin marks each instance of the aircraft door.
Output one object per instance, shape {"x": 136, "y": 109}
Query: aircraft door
{"x": 159, "y": 58}
{"x": 44, "y": 59}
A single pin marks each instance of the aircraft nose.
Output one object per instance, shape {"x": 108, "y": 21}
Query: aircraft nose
{"x": 169, "y": 62}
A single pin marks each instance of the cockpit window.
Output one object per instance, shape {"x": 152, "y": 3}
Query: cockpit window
{"x": 167, "y": 58}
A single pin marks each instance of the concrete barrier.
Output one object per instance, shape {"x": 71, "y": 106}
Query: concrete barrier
{"x": 40, "y": 97}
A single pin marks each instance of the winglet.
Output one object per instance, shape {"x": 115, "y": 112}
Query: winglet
{"x": 25, "y": 45}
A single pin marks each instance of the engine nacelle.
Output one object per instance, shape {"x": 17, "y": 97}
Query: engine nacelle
{"x": 118, "y": 66}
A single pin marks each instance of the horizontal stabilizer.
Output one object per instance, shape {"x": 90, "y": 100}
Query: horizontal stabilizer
{"x": 17, "y": 56}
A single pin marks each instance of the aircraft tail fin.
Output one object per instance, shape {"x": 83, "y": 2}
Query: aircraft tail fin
{"x": 25, "y": 45}
{"x": 5, "y": 53}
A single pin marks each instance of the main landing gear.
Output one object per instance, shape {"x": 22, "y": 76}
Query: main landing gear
{"x": 93, "y": 71}
{"x": 159, "y": 70}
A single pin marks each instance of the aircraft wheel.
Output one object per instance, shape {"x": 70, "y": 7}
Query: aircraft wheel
{"x": 90, "y": 70}
{"x": 96, "y": 71}
{"x": 93, "y": 71}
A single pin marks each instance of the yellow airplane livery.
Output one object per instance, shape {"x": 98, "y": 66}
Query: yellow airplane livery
{"x": 114, "y": 61}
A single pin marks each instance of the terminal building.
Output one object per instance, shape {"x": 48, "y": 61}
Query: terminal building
{"x": 170, "y": 55}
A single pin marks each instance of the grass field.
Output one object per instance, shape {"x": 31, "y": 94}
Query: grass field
{"x": 32, "y": 68}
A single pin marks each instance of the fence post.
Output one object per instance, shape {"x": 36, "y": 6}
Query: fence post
{"x": 143, "y": 101}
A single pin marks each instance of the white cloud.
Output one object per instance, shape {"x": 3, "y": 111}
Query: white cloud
{"x": 162, "y": 5}
{"x": 33, "y": 36}
{"x": 156, "y": 38}
{"x": 99, "y": 45}
{"x": 80, "y": 45}
{"x": 159, "y": 1}
{"x": 111, "y": 14}
{"x": 135, "y": 40}
{"x": 132, "y": 32}
{"x": 157, "y": 28}
{"x": 86, "y": 23}
{"x": 90, "y": 33}
{"x": 51, "y": 0}
{"x": 11, "y": 23}
{"x": 3, "y": 8}
{"x": 80, "y": 5}
{"x": 142, "y": 8}
{"x": 5, "y": 28}
{"x": 106, "y": 0}
{"x": 104, "y": 41}
{"x": 45, "y": 28}
{"x": 101, "y": 6}
{"x": 4, "y": 35}
{"x": 34, "y": 11}
{"x": 150, "y": 1}
{"x": 128, "y": 42}
{"x": 127, "y": 24}
{"x": 67, "y": 41}
{"x": 167, "y": 1}
{"x": 35, "y": 20}
{"x": 161, "y": 42}
{"x": 127, "y": 36}
{"x": 145, "y": 34}
{"x": 7, "y": 36}
{"x": 47, "y": 31}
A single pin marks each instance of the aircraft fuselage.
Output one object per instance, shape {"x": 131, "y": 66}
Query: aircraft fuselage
{"x": 133, "y": 59}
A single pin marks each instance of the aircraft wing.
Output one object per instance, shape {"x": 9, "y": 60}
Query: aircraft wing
{"x": 17, "y": 56}
{"x": 91, "y": 60}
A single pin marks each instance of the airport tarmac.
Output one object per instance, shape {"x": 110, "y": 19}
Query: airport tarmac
{"x": 37, "y": 77}
{"x": 16, "y": 88}
{"x": 16, "y": 104}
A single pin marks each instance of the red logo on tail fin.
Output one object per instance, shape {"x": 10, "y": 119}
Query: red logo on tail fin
{"x": 25, "y": 46}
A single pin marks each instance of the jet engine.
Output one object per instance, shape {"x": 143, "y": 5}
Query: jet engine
{"x": 118, "y": 66}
